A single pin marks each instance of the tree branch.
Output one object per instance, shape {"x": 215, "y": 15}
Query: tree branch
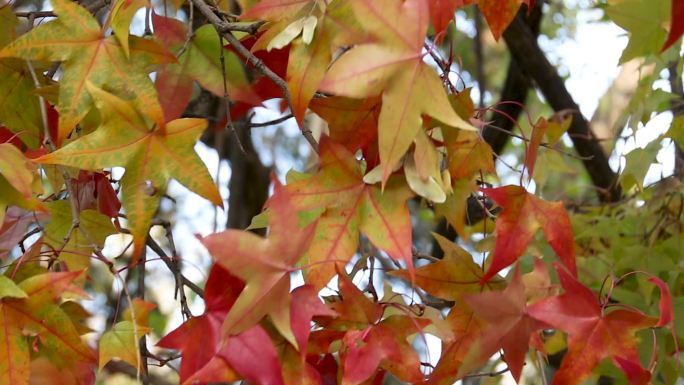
{"x": 524, "y": 48}
{"x": 513, "y": 94}
{"x": 256, "y": 62}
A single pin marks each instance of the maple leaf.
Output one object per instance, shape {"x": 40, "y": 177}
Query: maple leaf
{"x": 91, "y": 233}
{"x": 538, "y": 132}
{"x": 12, "y": 230}
{"x": 676, "y": 24}
{"x": 264, "y": 264}
{"x": 523, "y": 214}
{"x": 44, "y": 372}
{"x": 297, "y": 371}
{"x": 510, "y": 327}
{"x": 17, "y": 170}
{"x": 500, "y": 13}
{"x": 353, "y": 123}
{"x": 120, "y": 20}
{"x": 30, "y": 308}
{"x": 265, "y": 88}
{"x": 198, "y": 339}
{"x": 19, "y": 108}
{"x": 306, "y": 305}
{"x": 466, "y": 328}
{"x": 19, "y": 180}
{"x": 350, "y": 206}
{"x": 151, "y": 157}
{"x": 368, "y": 342}
{"x": 594, "y": 333}
{"x": 455, "y": 208}
{"x": 308, "y": 62}
{"x": 442, "y": 13}
{"x": 121, "y": 342}
{"x": 324, "y": 28}
{"x": 537, "y": 282}
{"x": 452, "y": 276}
{"x": 139, "y": 311}
{"x": 383, "y": 345}
{"x": 645, "y": 22}
{"x": 198, "y": 61}
{"x": 354, "y": 310}
{"x": 391, "y": 63}
{"x": 665, "y": 306}
{"x": 276, "y": 9}
{"x": 76, "y": 39}
{"x": 467, "y": 154}
{"x": 94, "y": 191}
{"x": 251, "y": 353}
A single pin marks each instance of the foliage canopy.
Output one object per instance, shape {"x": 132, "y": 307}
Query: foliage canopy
{"x": 334, "y": 281}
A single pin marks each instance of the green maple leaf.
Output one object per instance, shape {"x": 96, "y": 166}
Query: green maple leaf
{"x": 391, "y": 63}
{"x": 91, "y": 232}
{"x": 121, "y": 342}
{"x": 76, "y": 39}
{"x": 150, "y": 155}
{"x": 19, "y": 109}
{"x": 646, "y": 22}
{"x": 199, "y": 61}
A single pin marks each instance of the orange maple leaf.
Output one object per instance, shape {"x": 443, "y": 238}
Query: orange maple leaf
{"x": 391, "y": 64}
{"x": 350, "y": 206}
{"x": 264, "y": 264}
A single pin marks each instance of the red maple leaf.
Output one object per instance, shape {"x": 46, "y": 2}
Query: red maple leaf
{"x": 523, "y": 214}
{"x": 250, "y": 353}
{"x": 676, "y": 24}
{"x": 369, "y": 343}
{"x": 594, "y": 332}
{"x": 198, "y": 338}
{"x": 306, "y": 305}
{"x": 442, "y": 12}
{"x": 510, "y": 326}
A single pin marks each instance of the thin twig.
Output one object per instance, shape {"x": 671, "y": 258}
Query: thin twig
{"x": 190, "y": 32}
{"x": 180, "y": 280}
{"x": 256, "y": 62}
{"x": 545, "y": 145}
{"x": 73, "y": 199}
{"x": 488, "y": 374}
{"x": 270, "y": 122}
{"x": 542, "y": 371}
{"x": 142, "y": 343}
{"x": 479, "y": 57}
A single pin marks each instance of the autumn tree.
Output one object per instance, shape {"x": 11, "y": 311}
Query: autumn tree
{"x": 403, "y": 222}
